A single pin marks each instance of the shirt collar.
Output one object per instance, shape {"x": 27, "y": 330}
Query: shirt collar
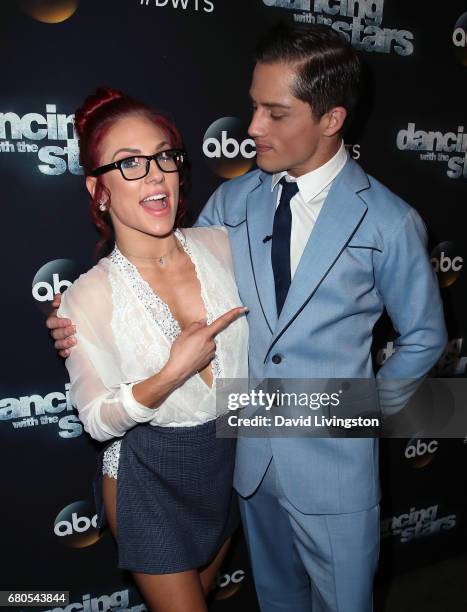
{"x": 312, "y": 183}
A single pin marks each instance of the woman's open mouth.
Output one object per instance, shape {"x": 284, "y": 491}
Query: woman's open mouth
{"x": 156, "y": 204}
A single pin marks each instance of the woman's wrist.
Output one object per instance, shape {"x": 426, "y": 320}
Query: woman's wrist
{"x": 153, "y": 391}
{"x": 170, "y": 376}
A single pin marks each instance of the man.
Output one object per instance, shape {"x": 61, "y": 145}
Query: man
{"x": 320, "y": 249}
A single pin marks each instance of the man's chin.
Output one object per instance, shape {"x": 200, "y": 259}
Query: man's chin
{"x": 268, "y": 165}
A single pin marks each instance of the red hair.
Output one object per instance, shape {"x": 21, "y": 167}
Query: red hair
{"x": 92, "y": 120}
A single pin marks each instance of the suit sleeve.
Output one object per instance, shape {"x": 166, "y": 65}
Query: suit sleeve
{"x": 213, "y": 211}
{"x": 409, "y": 288}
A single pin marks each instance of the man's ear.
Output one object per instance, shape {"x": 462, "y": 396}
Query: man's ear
{"x": 333, "y": 121}
{"x": 91, "y": 183}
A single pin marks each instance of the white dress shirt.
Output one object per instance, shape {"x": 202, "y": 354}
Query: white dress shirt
{"x": 306, "y": 205}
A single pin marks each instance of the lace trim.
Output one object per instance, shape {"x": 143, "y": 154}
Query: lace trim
{"x": 158, "y": 310}
{"x": 215, "y": 364}
{"x": 111, "y": 458}
{"x": 156, "y": 307}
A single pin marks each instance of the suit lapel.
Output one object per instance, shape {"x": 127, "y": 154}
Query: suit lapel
{"x": 259, "y": 221}
{"x": 340, "y": 216}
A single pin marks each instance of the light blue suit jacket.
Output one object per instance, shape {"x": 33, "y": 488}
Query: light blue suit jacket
{"x": 367, "y": 251}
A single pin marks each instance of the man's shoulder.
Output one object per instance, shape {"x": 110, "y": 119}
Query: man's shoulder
{"x": 380, "y": 197}
{"x": 384, "y": 206}
{"x": 243, "y": 184}
{"x": 227, "y": 204}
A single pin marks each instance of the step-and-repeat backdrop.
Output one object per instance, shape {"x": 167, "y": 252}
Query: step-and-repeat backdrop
{"x": 193, "y": 59}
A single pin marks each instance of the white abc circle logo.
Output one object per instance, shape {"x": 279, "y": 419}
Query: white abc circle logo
{"x": 228, "y": 150}
{"x": 53, "y": 277}
{"x": 447, "y": 263}
{"x": 228, "y": 147}
{"x": 229, "y": 584}
{"x": 420, "y": 453}
{"x": 459, "y": 38}
{"x": 76, "y": 525}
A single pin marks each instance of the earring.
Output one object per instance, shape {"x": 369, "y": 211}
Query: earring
{"x": 102, "y": 206}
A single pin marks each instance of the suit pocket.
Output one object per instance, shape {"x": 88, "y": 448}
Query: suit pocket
{"x": 233, "y": 223}
{"x": 364, "y": 246}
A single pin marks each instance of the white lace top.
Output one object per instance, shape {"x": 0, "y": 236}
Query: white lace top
{"x": 125, "y": 331}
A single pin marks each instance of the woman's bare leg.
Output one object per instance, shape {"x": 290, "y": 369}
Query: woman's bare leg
{"x": 109, "y": 497}
{"x": 181, "y": 591}
{"x": 209, "y": 573}
{"x": 172, "y": 592}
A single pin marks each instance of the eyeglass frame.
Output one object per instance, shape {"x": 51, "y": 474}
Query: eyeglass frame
{"x": 117, "y": 165}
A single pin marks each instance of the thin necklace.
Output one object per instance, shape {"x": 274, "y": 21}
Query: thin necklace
{"x": 159, "y": 259}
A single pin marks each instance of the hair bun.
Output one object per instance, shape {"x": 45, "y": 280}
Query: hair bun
{"x": 101, "y": 97}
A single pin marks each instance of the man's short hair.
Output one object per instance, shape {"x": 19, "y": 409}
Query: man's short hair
{"x": 328, "y": 68}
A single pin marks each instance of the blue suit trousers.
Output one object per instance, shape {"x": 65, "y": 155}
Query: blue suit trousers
{"x": 309, "y": 562}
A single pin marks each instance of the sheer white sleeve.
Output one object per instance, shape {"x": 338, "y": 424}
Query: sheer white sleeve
{"x": 216, "y": 240}
{"x": 105, "y": 404}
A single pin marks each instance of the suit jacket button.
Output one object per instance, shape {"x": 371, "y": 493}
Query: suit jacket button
{"x": 276, "y": 359}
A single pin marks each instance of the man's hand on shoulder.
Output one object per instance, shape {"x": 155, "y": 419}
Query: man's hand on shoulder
{"x": 62, "y": 330}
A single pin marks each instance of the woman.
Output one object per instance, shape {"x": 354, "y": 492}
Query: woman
{"x": 157, "y": 322}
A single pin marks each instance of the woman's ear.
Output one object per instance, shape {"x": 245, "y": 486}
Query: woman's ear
{"x": 91, "y": 183}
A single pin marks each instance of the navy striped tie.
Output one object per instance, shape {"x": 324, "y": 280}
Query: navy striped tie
{"x": 280, "y": 248}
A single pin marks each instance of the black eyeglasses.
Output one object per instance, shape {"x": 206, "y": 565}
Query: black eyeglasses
{"x": 137, "y": 166}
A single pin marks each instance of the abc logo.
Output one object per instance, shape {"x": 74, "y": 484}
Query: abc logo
{"x": 447, "y": 263}
{"x": 419, "y": 452}
{"x": 229, "y": 584}
{"x": 459, "y": 38}
{"x": 76, "y": 525}
{"x": 54, "y": 277}
{"x": 228, "y": 150}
